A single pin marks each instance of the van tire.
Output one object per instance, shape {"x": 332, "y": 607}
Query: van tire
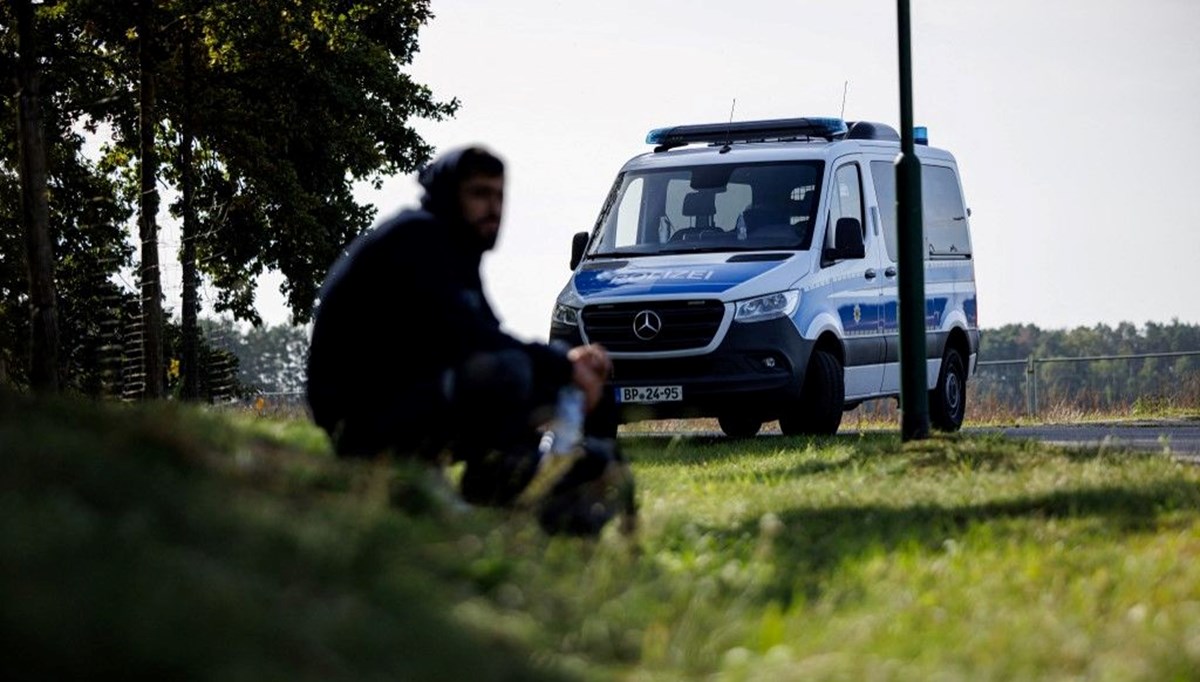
{"x": 948, "y": 400}
{"x": 819, "y": 410}
{"x": 739, "y": 425}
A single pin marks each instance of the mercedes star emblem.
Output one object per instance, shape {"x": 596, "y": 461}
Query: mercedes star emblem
{"x": 646, "y": 325}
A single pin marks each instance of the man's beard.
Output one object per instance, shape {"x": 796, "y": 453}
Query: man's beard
{"x": 485, "y": 241}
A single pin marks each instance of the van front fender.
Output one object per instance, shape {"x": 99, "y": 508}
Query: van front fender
{"x": 823, "y": 322}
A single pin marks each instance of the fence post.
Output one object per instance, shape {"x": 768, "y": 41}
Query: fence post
{"x": 1030, "y": 387}
{"x": 1036, "y": 407}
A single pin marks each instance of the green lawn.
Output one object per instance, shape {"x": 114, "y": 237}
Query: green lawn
{"x": 193, "y": 544}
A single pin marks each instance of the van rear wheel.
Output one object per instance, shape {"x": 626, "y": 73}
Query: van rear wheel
{"x": 739, "y": 425}
{"x": 819, "y": 411}
{"x": 948, "y": 401}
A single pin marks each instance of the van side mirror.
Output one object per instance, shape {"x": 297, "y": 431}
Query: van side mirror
{"x": 578, "y": 245}
{"x": 848, "y": 242}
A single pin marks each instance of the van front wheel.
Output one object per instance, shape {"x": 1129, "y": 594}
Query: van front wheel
{"x": 948, "y": 401}
{"x": 819, "y": 411}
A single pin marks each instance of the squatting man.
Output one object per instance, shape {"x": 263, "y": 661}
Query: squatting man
{"x": 408, "y": 358}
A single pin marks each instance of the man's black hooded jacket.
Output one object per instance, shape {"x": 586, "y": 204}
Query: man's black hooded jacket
{"x": 403, "y": 305}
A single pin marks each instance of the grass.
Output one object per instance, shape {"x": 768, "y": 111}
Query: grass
{"x": 184, "y": 543}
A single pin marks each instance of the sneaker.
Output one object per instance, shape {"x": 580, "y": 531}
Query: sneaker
{"x": 497, "y": 478}
{"x": 596, "y": 488}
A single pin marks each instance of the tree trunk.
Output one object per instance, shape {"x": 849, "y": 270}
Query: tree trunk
{"x": 190, "y": 362}
{"x": 35, "y": 212}
{"x": 152, "y": 312}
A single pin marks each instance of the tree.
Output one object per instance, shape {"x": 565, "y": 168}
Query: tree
{"x": 280, "y": 108}
{"x": 35, "y": 212}
{"x": 151, "y": 277}
{"x": 1097, "y": 383}
{"x": 310, "y": 98}
{"x": 86, "y": 212}
{"x": 270, "y": 359}
{"x": 265, "y": 114}
{"x": 190, "y": 352}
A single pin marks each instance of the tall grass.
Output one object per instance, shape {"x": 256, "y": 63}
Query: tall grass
{"x": 183, "y": 543}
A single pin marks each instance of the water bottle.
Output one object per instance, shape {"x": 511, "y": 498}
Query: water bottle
{"x": 565, "y": 430}
{"x": 560, "y": 447}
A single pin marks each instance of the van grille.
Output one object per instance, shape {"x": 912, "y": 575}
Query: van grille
{"x": 684, "y": 325}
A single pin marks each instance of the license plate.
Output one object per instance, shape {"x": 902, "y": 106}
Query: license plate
{"x": 649, "y": 394}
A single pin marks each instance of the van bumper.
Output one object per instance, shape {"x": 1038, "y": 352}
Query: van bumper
{"x": 757, "y": 369}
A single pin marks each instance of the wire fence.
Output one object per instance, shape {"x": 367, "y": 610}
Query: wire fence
{"x": 1032, "y": 384}
{"x": 1027, "y": 386}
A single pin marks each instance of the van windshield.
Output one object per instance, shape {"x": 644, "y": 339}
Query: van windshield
{"x": 726, "y": 207}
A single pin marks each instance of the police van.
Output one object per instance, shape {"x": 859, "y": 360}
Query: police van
{"x": 748, "y": 272}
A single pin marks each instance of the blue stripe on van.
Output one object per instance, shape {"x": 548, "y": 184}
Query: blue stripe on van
{"x": 633, "y": 280}
{"x": 935, "y": 309}
{"x": 859, "y": 319}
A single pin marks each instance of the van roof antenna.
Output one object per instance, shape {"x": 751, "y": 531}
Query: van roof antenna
{"x": 729, "y": 141}
{"x": 845, "y": 87}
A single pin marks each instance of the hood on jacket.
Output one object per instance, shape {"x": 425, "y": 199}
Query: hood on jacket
{"x": 441, "y": 179}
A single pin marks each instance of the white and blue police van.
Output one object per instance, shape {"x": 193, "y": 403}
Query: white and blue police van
{"x": 747, "y": 271}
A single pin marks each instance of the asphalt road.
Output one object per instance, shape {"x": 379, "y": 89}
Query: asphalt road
{"x": 1180, "y": 437}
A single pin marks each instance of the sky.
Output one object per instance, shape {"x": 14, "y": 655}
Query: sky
{"x": 1074, "y": 123}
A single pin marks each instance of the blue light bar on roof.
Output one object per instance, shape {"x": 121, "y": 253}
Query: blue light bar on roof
{"x": 920, "y": 135}
{"x": 747, "y": 131}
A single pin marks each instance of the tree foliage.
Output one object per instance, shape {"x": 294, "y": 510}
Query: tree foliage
{"x": 296, "y": 102}
{"x": 87, "y": 210}
{"x": 290, "y": 103}
{"x": 270, "y": 359}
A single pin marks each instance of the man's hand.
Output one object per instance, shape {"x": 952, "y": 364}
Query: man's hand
{"x": 591, "y": 369}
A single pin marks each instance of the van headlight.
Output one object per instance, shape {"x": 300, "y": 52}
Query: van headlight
{"x": 565, "y": 314}
{"x": 769, "y": 307}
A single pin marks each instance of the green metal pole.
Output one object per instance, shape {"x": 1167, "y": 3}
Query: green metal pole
{"x": 914, "y": 399}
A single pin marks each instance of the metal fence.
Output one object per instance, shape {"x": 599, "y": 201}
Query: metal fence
{"x": 993, "y": 377}
{"x": 1018, "y": 382}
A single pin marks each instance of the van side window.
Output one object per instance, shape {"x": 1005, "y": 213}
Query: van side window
{"x": 845, "y": 199}
{"x": 944, "y": 212}
{"x": 942, "y": 209}
{"x": 627, "y": 213}
{"x": 883, "y": 173}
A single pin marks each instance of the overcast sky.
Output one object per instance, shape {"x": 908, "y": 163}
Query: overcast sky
{"x": 1076, "y": 125}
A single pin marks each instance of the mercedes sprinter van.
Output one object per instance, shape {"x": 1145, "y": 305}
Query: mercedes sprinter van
{"x": 748, "y": 272}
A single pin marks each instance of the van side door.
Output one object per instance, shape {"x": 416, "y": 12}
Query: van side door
{"x": 883, "y": 179}
{"x": 855, "y": 295}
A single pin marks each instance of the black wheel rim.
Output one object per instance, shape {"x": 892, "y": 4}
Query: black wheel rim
{"x": 953, "y": 392}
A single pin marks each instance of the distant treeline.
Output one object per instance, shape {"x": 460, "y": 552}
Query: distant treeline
{"x": 240, "y": 361}
{"x": 1096, "y": 384}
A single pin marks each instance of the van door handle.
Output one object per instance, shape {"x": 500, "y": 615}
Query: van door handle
{"x": 890, "y": 272}
{"x": 869, "y": 274}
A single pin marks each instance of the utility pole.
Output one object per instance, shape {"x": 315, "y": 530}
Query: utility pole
{"x": 914, "y": 398}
